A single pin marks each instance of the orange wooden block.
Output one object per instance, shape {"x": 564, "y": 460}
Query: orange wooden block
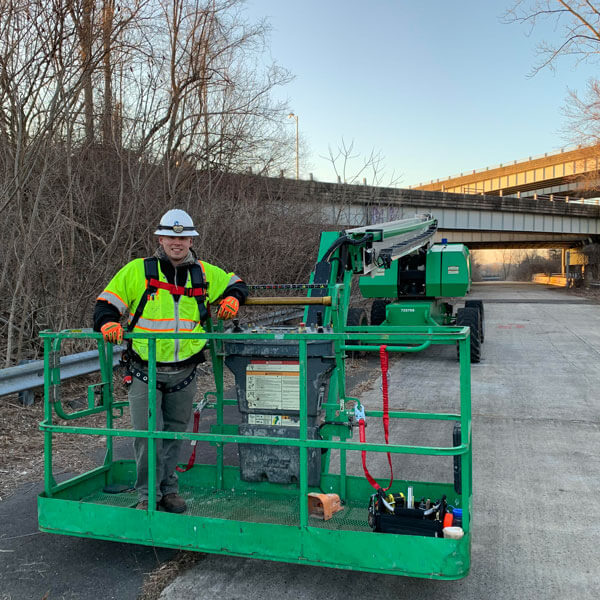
{"x": 323, "y": 506}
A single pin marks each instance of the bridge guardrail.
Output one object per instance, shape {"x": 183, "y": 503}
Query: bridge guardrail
{"x": 510, "y": 163}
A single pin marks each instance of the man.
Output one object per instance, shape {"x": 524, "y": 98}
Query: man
{"x": 167, "y": 293}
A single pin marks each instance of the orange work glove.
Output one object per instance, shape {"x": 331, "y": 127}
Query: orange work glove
{"x": 228, "y": 308}
{"x": 112, "y": 332}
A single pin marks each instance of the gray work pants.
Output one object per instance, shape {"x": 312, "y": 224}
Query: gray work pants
{"x": 173, "y": 412}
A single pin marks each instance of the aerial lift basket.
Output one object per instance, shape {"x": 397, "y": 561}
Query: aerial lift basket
{"x": 236, "y": 510}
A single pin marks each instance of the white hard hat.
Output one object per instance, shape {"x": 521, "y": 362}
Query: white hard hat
{"x": 176, "y": 222}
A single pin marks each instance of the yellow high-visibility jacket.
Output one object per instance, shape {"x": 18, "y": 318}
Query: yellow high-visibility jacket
{"x": 162, "y": 314}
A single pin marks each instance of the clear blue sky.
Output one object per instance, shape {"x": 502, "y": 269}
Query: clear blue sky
{"x": 438, "y": 87}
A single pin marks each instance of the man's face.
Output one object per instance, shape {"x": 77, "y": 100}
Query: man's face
{"x": 175, "y": 247}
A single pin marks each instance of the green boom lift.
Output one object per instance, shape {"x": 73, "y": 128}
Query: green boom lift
{"x": 299, "y": 428}
{"x": 413, "y": 281}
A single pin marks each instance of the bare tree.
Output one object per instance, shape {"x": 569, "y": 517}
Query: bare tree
{"x": 108, "y": 14}
{"x": 576, "y": 20}
{"x": 82, "y": 15}
{"x": 352, "y": 168}
{"x": 577, "y": 23}
{"x": 592, "y": 269}
{"x": 210, "y": 102}
{"x": 475, "y": 266}
{"x": 532, "y": 262}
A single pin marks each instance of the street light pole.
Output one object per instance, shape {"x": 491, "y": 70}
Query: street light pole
{"x": 293, "y": 116}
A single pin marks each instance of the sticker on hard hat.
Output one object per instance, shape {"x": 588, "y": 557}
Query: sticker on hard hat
{"x": 177, "y": 228}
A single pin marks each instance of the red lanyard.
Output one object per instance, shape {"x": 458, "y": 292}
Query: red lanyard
{"x": 360, "y": 413}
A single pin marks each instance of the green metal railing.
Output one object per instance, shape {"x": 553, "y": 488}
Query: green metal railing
{"x": 339, "y": 409}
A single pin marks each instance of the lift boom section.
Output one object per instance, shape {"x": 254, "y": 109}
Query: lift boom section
{"x": 412, "y": 280}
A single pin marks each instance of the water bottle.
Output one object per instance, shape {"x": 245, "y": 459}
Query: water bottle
{"x": 457, "y": 517}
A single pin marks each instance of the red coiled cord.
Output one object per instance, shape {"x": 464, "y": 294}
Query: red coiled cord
{"x": 383, "y": 357}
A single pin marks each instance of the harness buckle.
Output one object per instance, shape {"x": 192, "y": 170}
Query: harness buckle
{"x": 359, "y": 412}
{"x": 125, "y": 359}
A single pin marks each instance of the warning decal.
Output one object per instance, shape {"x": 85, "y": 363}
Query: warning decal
{"x": 273, "y": 385}
{"x": 452, "y": 270}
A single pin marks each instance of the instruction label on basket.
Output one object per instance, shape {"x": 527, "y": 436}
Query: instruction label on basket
{"x": 273, "y": 384}
{"x": 280, "y": 420}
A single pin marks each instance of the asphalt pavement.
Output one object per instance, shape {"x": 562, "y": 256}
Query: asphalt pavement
{"x": 41, "y": 566}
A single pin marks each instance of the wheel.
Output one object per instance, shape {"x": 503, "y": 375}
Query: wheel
{"x": 469, "y": 317}
{"x": 478, "y": 304}
{"x": 357, "y": 317}
{"x": 378, "y": 311}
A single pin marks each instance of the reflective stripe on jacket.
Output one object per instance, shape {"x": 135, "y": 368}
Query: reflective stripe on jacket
{"x": 161, "y": 313}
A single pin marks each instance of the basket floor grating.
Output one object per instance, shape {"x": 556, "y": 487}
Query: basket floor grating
{"x": 246, "y": 505}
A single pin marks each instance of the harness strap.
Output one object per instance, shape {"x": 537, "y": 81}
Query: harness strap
{"x": 177, "y": 290}
{"x": 151, "y": 273}
{"x": 143, "y": 377}
{"x": 199, "y": 281}
{"x": 383, "y": 357}
{"x": 192, "y": 459}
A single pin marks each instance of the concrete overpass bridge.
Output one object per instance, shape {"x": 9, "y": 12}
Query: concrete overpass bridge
{"x": 572, "y": 173}
{"x": 494, "y": 222}
{"x": 480, "y": 221}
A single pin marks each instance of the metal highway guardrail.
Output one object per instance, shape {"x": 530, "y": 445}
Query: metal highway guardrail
{"x": 22, "y": 379}
{"x": 29, "y": 376}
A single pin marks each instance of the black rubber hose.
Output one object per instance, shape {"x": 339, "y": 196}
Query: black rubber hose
{"x": 346, "y": 240}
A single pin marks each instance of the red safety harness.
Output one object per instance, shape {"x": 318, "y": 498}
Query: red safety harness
{"x": 153, "y": 284}
{"x": 176, "y": 290}
{"x": 360, "y": 415}
{"x": 198, "y": 289}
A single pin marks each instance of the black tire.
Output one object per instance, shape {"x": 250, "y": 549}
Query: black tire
{"x": 469, "y": 317}
{"x": 357, "y": 317}
{"x": 478, "y": 304}
{"x": 378, "y": 311}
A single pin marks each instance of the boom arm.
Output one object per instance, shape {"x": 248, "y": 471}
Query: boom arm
{"x": 361, "y": 250}
{"x": 390, "y": 241}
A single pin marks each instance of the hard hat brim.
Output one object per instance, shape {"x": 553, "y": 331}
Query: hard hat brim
{"x": 171, "y": 233}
